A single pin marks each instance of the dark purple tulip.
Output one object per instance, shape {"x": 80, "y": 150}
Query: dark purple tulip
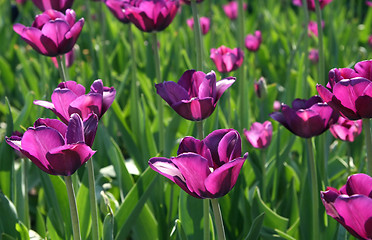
{"x": 260, "y": 87}
{"x": 311, "y": 3}
{"x": 231, "y": 9}
{"x": 59, "y": 5}
{"x": 204, "y": 24}
{"x": 346, "y": 130}
{"x": 117, "y": 7}
{"x": 306, "y": 118}
{"x": 253, "y": 42}
{"x": 52, "y": 33}
{"x": 188, "y": 2}
{"x": 351, "y": 205}
{"x": 69, "y": 97}
{"x": 259, "y": 135}
{"x": 54, "y": 147}
{"x": 195, "y": 95}
{"x": 152, "y": 15}
{"x": 227, "y": 59}
{"x": 205, "y": 168}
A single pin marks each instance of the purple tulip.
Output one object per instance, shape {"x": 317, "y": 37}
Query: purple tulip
{"x": 253, "y": 42}
{"x": 152, "y": 15}
{"x": 204, "y": 24}
{"x": 306, "y": 118}
{"x": 188, "y": 2}
{"x": 369, "y": 3}
{"x": 195, "y": 95}
{"x": 351, "y": 205}
{"x": 59, "y": 5}
{"x": 69, "y": 97}
{"x": 259, "y": 135}
{"x": 227, "y": 59}
{"x": 231, "y": 9}
{"x": 54, "y": 147}
{"x": 346, "y": 130}
{"x": 52, "y": 33}
{"x": 205, "y": 168}
{"x": 117, "y": 7}
{"x": 311, "y": 3}
{"x": 312, "y": 28}
{"x": 314, "y": 56}
{"x": 260, "y": 87}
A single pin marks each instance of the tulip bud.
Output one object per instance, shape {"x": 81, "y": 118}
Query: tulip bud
{"x": 260, "y": 88}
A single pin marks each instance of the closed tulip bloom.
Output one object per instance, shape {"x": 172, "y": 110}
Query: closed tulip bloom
{"x": 52, "y": 33}
{"x": 59, "y": 5}
{"x": 253, "y": 42}
{"x": 259, "y": 135}
{"x": 311, "y": 3}
{"x": 260, "y": 87}
{"x": 205, "y": 168}
{"x": 314, "y": 56}
{"x": 312, "y": 28}
{"x": 152, "y": 15}
{"x": 231, "y": 9}
{"x": 351, "y": 205}
{"x": 306, "y": 118}
{"x": 54, "y": 147}
{"x": 346, "y": 130}
{"x": 204, "y": 24}
{"x": 117, "y": 7}
{"x": 69, "y": 97}
{"x": 227, "y": 59}
{"x": 195, "y": 95}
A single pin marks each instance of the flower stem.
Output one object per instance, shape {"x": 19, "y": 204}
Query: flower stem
{"x": 158, "y": 100}
{"x": 92, "y": 199}
{"x": 306, "y": 50}
{"x": 218, "y": 219}
{"x": 61, "y": 68}
{"x": 314, "y": 189}
{"x": 320, "y": 39}
{"x": 367, "y": 132}
{"x": 244, "y": 113}
{"x": 73, "y": 209}
{"x": 198, "y": 36}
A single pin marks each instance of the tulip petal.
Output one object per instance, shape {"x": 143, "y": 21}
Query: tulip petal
{"x": 65, "y": 160}
{"x": 86, "y": 104}
{"x": 171, "y": 92}
{"x": 108, "y": 98}
{"x": 75, "y": 130}
{"x": 222, "y": 85}
{"x": 207, "y": 87}
{"x": 32, "y": 36}
{"x": 190, "y": 81}
{"x": 223, "y": 179}
{"x": 90, "y": 129}
{"x": 359, "y": 184}
{"x": 55, "y": 30}
{"x": 364, "y": 69}
{"x": 73, "y": 86}
{"x": 52, "y": 123}
{"x": 190, "y": 144}
{"x": 62, "y": 98}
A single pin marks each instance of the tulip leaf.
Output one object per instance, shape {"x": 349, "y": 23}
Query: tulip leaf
{"x": 254, "y": 232}
{"x": 8, "y": 224}
{"x": 21, "y": 191}
{"x": 22, "y": 230}
{"x": 108, "y": 227}
{"x": 191, "y": 215}
{"x": 7, "y": 76}
{"x": 83, "y": 207}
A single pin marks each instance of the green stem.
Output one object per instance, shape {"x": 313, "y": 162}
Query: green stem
{"x": 244, "y": 113}
{"x": 320, "y": 39}
{"x": 263, "y": 166}
{"x": 92, "y": 199}
{"x": 198, "y": 36}
{"x": 159, "y": 100}
{"x": 367, "y": 132}
{"x": 314, "y": 189}
{"x": 91, "y": 37}
{"x": 73, "y": 208}
{"x": 218, "y": 219}
{"x": 306, "y": 50}
{"x": 61, "y": 68}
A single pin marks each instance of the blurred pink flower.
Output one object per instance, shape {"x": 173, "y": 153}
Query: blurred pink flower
{"x": 259, "y": 135}
{"x": 312, "y": 28}
{"x": 59, "y": 5}
{"x": 231, "y": 9}
{"x": 314, "y": 56}
{"x": 226, "y": 59}
{"x": 346, "y": 130}
{"x": 69, "y": 59}
{"x": 311, "y": 3}
{"x": 253, "y": 42}
{"x": 204, "y": 24}
{"x": 369, "y": 3}
{"x": 370, "y": 41}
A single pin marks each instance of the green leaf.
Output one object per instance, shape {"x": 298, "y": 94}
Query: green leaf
{"x": 23, "y": 231}
{"x": 254, "y": 232}
{"x": 191, "y": 215}
{"x": 108, "y": 227}
{"x": 83, "y": 207}
{"x": 8, "y": 223}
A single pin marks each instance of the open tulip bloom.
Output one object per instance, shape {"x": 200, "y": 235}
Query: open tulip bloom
{"x": 117, "y": 7}
{"x": 59, "y": 5}
{"x": 56, "y": 148}
{"x": 346, "y": 130}
{"x": 52, "y": 33}
{"x": 351, "y": 205}
{"x": 152, "y": 15}
{"x": 195, "y": 95}
{"x": 205, "y": 168}
{"x": 259, "y": 135}
{"x": 306, "y": 118}
{"x": 69, "y": 97}
{"x": 226, "y": 59}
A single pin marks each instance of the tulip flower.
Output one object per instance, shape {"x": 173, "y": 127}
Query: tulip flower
{"x": 52, "y": 33}
{"x": 152, "y": 15}
{"x": 311, "y": 3}
{"x": 314, "y": 56}
{"x": 204, "y": 24}
{"x": 260, "y": 87}
{"x": 188, "y": 2}
{"x": 117, "y": 7}
{"x": 351, "y": 205}
{"x": 195, "y": 95}
{"x": 205, "y": 168}
{"x": 253, "y": 42}
{"x": 231, "y": 9}
{"x": 312, "y": 28}
{"x": 69, "y": 59}
{"x": 54, "y": 147}
{"x": 259, "y": 135}
{"x": 59, "y": 5}
{"x": 69, "y": 97}
{"x": 306, "y": 118}
{"x": 21, "y": 1}
{"x": 369, "y": 3}
{"x": 346, "y": 130}
{"x": 226, "y": 59}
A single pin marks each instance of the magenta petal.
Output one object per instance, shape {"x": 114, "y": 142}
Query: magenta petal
{"x": 171, "y": 92}
{"x": 223, "y": 179}
{"x": 207, "y": 87}
{"x": 52, "y": 123}
{"x": 190, "y": 144}
{"x": 359, "y": 184}
{"x": 195, "y": 110}
{"x": 75, "y": 130}
{"x": 45, "y": 104}
{"x": 14, "y": 142}
{"x": 76, "y": 88}
{"x": 229, "y": 147}
{"x": 65, "y": 160}
{"x": 108, "y": 98}
{"x": 32, "y": 36}
{"x": 190, "y": 81}
{"x": 55, "y": 30}
{"x": 222, "y": 85}
{"x": 328, "y": 198}
{"x": 62, "y": 98}
{"x": 364, "y": 69}
{"x": 86, "y": 104}
{"x": 194, "y": 168}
